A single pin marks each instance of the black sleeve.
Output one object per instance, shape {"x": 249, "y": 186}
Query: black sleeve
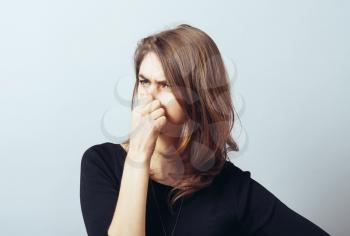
{"x": 98, "y": 193}
{"x": 261, "y": 213}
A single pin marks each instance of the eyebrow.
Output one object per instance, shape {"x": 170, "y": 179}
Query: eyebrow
{"x": 144, "y": 77}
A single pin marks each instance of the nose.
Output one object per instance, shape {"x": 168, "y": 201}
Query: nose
{"x": 152, "y": 90}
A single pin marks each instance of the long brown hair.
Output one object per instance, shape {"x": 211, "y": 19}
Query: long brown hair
{"x": 194, "y": 68}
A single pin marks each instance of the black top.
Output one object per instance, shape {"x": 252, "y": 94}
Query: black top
{"x": 234, "y": 204}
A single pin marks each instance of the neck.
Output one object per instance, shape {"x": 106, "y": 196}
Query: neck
{"x": 165, "y": 161}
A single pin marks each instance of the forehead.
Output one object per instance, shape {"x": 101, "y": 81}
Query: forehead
{"x": 151, "y": 67}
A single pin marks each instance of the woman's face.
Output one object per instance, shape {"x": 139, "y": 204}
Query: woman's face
{"x": 152, "y": 81}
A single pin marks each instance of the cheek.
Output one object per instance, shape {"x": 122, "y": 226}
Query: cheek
{"x": 174, "y": 111}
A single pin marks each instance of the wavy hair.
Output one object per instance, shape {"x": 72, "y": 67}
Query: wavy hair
{"x": 194, "y": 68}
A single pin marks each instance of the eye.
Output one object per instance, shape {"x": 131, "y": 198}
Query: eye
{"x": 166, "y": 85}
{"x": 143, "y": 82}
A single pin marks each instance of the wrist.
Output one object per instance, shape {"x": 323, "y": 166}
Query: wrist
{"x": 137, "y": 160}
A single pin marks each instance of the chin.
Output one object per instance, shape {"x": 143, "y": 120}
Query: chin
{"x": 169, "y": 132}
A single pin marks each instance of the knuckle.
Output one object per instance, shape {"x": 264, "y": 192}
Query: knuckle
{"x": 156, "y": 102}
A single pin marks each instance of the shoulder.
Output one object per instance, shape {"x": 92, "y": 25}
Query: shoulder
{"x": 107, "y": 158}
{"x": 105, "y": 149}
{"x": 249, "y": 194}
{"x": 234, "y": 175}
{"x": 232, "y": 180}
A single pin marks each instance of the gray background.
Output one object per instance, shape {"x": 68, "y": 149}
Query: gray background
{"x": 61, "y": 61}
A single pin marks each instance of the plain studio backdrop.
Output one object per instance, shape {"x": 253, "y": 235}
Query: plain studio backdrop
{"x": 66, "y": 75}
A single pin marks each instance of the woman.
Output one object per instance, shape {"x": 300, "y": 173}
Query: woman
{"x": 173, "y": 176}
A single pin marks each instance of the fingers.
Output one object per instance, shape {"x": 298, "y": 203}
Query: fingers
{"x": 160, "y": 122}
{"x": 144, "y": 100}
{"x": 157, "y": 113}
{"x": 150, "y": 107}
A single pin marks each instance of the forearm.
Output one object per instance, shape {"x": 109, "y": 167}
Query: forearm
{"x": 130, "y": 213}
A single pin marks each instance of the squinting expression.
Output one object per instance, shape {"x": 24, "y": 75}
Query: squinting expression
{"x": 152, "y": 81}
